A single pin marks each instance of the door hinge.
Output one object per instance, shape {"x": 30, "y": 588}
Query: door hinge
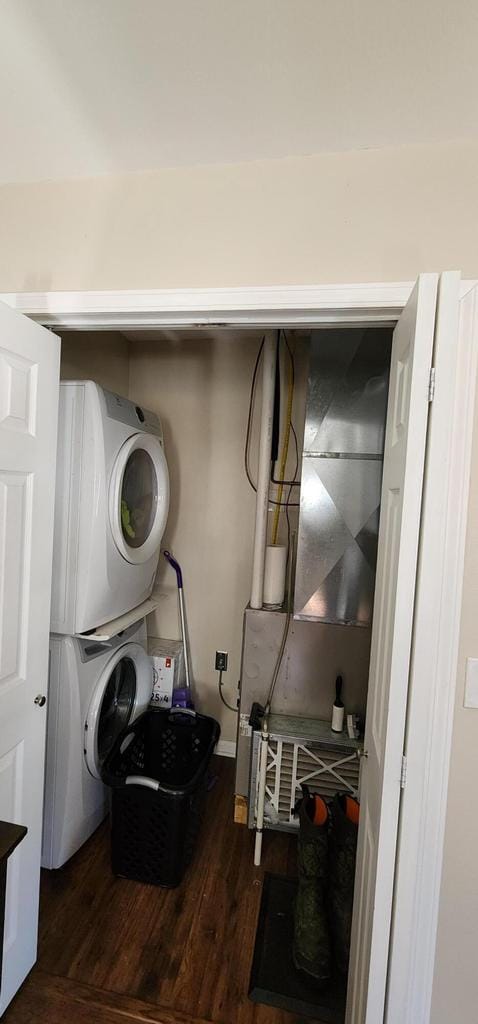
{"x": 403, "y": 772}
{"x": 431, "y": 384}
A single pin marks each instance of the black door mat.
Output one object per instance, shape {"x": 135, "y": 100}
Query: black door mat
{"x": 274, "y": 979}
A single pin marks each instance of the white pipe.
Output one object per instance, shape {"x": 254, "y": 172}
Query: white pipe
{"x": 261, "y": 793}
{"x": 263, "y": 474}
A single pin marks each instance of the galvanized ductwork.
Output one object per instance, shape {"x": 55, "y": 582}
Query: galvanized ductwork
{"x": 342, "y": 475}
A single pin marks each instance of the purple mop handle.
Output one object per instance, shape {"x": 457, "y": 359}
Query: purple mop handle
{"x": 182, "y": 614}
{"x": 176, "y": 566}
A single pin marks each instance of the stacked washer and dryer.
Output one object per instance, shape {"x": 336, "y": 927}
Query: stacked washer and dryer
{"x": 111, "y": 506}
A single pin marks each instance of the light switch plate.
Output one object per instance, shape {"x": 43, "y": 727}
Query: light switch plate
{"x": 471, "y": 683}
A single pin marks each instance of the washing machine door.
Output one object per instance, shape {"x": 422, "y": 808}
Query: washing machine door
{"x": 123, "y": 692}
{"x": 139, "y": 497}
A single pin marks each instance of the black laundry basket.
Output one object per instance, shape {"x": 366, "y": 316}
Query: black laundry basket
{"x": 158, "y": 775}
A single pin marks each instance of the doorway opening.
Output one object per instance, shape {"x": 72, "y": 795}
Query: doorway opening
{"x": 459, "y": 364}
{"x": 205, "y": 386}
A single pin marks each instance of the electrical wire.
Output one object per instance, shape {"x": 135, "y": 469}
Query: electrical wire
{"x": 224, "y": 701}
{"x": 272, "y": 501}
{"x": 250, "y": 414}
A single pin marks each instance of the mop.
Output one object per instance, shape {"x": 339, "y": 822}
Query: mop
{"x": 182, "y": 697}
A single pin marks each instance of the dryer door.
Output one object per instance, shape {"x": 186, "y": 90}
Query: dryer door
{"x": 139, "y": 497}
{"x": 123, "y": 692}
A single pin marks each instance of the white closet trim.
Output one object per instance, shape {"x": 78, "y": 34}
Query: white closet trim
{"x": 221, "y": 307}
{"x": 274, "y": 306}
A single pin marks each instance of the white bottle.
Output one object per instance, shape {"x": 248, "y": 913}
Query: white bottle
{"x": 338, "y": 709}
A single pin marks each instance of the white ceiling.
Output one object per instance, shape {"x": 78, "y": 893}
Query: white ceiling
{"x": 92, "y": 87}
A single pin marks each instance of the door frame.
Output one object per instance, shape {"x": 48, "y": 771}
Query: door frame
{"x": 429, "y": 742}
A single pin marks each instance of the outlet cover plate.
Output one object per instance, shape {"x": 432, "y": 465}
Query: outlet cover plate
{"x": 221, "y": 661}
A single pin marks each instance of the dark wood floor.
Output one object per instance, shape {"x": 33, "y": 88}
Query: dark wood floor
{"x": 112, "y": 950}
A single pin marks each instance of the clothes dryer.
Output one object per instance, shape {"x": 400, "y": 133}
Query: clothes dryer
{"x": 111, "y": 506}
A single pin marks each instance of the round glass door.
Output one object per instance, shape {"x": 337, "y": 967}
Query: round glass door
{"x": 139, "y": 498}
{"x": 116, "y": 706}
{"x": 122, "y": 692}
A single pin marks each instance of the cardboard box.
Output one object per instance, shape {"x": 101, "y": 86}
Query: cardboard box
{"x": 168, "y": 670}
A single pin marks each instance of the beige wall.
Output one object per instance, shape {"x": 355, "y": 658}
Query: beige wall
{"x": 369, "y": 215}
{"x": 98, "y": 355}
{"x": 199, "y": 387}
{"x": 372, "y": 215}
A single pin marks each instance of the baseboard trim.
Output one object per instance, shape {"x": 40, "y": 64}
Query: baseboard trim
{"x": 226, "y": 748}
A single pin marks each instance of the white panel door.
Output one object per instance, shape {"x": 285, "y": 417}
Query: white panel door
{"x": 404, "y": 459}
{"x": 29, "y": 373}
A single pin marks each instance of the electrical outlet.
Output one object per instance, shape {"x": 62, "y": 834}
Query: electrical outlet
{"x": 221, "y": 661}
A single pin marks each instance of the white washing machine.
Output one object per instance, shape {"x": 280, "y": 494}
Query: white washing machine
{"x": 111, "y": 506}
{"x": 95, "y": 692}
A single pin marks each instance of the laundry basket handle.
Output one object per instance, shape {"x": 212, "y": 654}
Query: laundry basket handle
{"x": 141, "y": 780}
{"x": 183, "y": 711}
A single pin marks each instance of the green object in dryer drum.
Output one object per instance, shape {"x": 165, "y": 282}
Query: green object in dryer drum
{"x": 126, "y": 520}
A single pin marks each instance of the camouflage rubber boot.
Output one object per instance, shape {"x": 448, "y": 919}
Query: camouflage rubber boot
{"x": 344, "y": 813}
{"x": 311, "y": 947}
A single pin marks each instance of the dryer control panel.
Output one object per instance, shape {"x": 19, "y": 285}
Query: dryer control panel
{"x": 119, "y": 408}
